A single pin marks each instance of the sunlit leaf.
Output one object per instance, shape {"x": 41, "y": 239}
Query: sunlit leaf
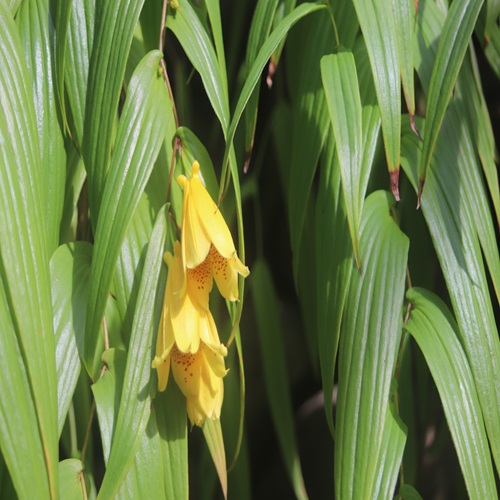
{"x": 369, "y": 341}
{"x": 140, "y": 134}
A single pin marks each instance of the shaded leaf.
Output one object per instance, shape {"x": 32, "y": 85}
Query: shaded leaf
{"x": 435, "y": 331}
{"x": 274, "y": 367}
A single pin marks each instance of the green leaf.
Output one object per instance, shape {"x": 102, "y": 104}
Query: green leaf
{"x": 404, "y": 21}
{"x": 170, "y": 409}
{"x": 62, "y": 17}
{"x": 435, "y": 331}
{"x": 187, "y": 27}
{"x": 70, "y": 274}
{"x": 390, "y": 454}
{"x": 371, "y": 330}
{"x": 450, "y": 214}
{"x": 274, "y": 367}
{"x": 309, "y": 120}
{"x": 453, "y": 43}
{"x": 74, "y": 484}
{"x": 254, "y": 73}
{"x": 26, "y": 453}
{"x": 333, "y": 268}
{"x": 262, "y": 21}
{"x": 215, "y": 442}
{"x": 340, "y": 82}
{"x": 76, "y": 68}
{"x": 115, "y": 21}
{"x": 35, "y": 27}
{"x": 379, "y": 33}
{"x": 141, "y": 132}
{"x": 24, "y": 267}
{"x": 135, "y": 403}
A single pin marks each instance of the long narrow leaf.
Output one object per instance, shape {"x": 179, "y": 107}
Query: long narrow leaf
{"x": 115, "y": 21}
{"x": 24, "y": 264}
{"x": 70, "y": 273}
{"x": 140, "y": 134}
{"x": 377, "y": 25}
{"x": 35, "y": 27}
{"x": 269, "y": 328}
{"x": 370, "y": 337}
{"x": 340, "y": 82}
{"x": 133, "y": 414}
{"x": 449, "y": 216}
{"x": 26, "y": 453}
{"x": 435, "y": 331}
{"x": 333, "y": 269}
{"x": 455, "y": 37}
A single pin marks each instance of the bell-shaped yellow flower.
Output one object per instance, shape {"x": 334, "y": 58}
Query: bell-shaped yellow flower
{"x": 188, "y": 340}
{"x": 205, "y": 235}
{"x": 199, "y": 377}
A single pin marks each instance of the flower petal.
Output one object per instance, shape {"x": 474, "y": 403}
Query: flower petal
{"x": 200, "y": 282}
{"x": 195, "y": 241}
{"x": 186, "y": 369}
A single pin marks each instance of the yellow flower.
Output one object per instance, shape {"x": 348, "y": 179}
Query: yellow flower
{"x": 188, "y": 340}
{"x": 205, "y": 236}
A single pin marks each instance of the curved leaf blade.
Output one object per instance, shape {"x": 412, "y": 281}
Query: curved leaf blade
{"x": 191, "y": 33}
{"x": 435, "y": 331}
{"x": 369, "y": 341}
{"x": 133, "y": 414}
{"x": 450, "y": 212}
{"x": 379, "y": 33}
{"x": 274, "y": 366}
{"x": 141, "y": 132}
{"x": 115, "y": 21}
{"x": 24, "y": 263}
{"x": 25, "y": 453}
{"x": 340, "y": 82}
{"x": 453, "y": 43}
{"x": 35, "y": 28}
{"x": 70, "y": 274}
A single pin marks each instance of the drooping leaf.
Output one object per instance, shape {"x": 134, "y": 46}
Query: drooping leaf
{"x": 436, "y": 333}
{"x": 370, "y": 334}
{"x": 455, "y": 37}
{"x": 133, "y": 414}
{"x": 213, "y": 436}
{"x": 450, "y": 213}
{"x": 340, "y": 83}
{"x": 27, "y": 452}
{"x": 115, "y": 21}
{"x": 24, "y": 266}
{"x": 70, "y": 273}
{"x": 76, "y": 68}
{"x": 377, "y": 25}
{"x": 35, "y": 28}
{"x": 140, "y": 134}
{"x": 333, "y": 269}
{"x": 274, "y": 367}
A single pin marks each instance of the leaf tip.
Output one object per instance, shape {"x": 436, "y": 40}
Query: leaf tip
{"x": 420, "y": 189}
{"x": 414, "y": 126}
{"x": 395, "y": 183}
